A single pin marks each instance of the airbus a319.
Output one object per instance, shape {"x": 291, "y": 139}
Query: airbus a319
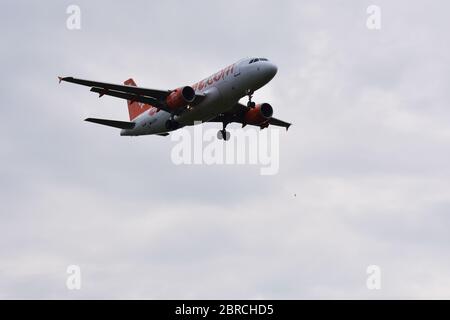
{"x": 214, "y": 99}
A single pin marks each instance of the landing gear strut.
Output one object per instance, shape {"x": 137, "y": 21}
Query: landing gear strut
{"x": 250, "y": 103}
{"x": 223, "y": 134}
{"x": 171, "y": 124}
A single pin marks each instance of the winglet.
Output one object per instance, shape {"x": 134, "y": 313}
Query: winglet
{"x": 60, "y": 79}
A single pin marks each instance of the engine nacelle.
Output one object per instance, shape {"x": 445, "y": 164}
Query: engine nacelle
{"x": 180, "y": 97}
{"x": 259, "y": 114}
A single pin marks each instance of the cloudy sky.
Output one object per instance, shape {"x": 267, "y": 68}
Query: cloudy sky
{"x": 364, "y": 170}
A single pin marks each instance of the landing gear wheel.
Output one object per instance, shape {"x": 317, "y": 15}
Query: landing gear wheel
{"x": 250, "y": 103}
{"x": 223, "y": 135}
{"x": 171, "y": 125}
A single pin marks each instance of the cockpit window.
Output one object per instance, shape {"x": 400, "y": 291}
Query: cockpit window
{"x": 257, "y": 59}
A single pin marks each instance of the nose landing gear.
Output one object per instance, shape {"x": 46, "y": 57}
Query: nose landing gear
{"x": 250, "y": 103}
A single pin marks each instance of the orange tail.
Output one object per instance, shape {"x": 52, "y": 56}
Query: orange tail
{"x": 135, "y": 108}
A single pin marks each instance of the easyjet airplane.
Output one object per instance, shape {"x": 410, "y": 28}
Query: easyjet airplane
{"x": 214, "y": 99}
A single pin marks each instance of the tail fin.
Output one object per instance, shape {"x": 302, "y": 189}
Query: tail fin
{"x": 135, "y": 108}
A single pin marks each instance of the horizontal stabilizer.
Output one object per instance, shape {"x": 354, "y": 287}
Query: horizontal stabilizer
{"x": 112, "y": 123}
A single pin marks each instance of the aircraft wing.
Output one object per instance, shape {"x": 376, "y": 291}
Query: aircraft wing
{"x": 280, "y": 123}
{"x": 145, "y": 95}
{"x": 236, "y": 114}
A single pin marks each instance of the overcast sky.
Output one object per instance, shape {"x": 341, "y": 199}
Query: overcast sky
{"x": 364, "y": 170}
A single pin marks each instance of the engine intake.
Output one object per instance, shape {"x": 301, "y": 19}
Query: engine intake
{"x": 180, "y": 97}
{"x": 259, "y": 114}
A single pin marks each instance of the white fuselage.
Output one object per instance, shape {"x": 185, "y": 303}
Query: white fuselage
{"x": 222, "y": 91}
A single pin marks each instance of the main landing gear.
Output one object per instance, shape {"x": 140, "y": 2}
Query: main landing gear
{"x": 171, "y": 124}
{"x": 250, "y": 103}
{"x": 223, "y": 134}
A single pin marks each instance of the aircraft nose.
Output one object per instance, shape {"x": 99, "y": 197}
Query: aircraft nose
{"x": 270, "y": 70}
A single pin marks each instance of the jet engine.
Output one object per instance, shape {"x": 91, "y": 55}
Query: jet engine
{"x": 259, "y": 114}
{"x": 180, "y": 97}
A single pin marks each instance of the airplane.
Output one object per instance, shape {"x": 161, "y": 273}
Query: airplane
{"x": 213, "y": 99}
